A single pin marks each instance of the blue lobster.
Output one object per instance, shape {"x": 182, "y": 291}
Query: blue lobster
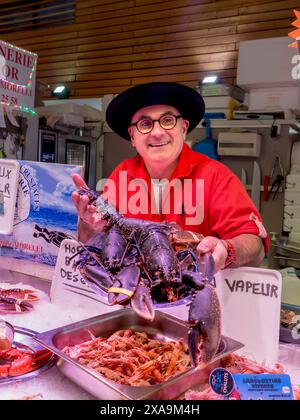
{"x": 135, "y": 261}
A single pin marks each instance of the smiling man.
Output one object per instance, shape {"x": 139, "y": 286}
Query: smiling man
{"x": 168, "y": 182}
{"x": 157, "y": 132}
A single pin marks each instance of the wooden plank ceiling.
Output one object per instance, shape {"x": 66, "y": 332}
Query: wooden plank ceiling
{"x": 115, "y": 44}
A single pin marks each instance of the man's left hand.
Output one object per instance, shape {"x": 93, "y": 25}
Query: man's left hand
{"x": 218, "y": 249}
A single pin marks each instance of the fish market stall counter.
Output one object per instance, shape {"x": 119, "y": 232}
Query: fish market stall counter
{"x": 66, "y": 382}
{"x": 53, "y": 384}
{"x": 50, "y": 384}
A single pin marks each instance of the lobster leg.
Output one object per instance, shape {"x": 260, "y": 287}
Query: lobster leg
{"x": 188, "y": 258}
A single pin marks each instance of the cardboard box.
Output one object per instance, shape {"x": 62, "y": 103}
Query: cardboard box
{"x": 266, "y": 63}
{"x": 276, "y": 98}
{"x": 221, "y": 89}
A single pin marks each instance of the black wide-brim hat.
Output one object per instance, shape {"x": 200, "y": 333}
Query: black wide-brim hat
{"x": 186, "y": 100}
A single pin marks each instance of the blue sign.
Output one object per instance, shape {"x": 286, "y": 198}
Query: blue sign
{"x": 263, "y": 387}
{"x": 250, "y": 386}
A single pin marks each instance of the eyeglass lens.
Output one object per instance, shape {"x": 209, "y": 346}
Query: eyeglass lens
{"x": 167, "y": 122}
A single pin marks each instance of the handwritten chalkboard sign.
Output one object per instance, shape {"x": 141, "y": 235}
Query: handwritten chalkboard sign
{"x": 9, "y": 179}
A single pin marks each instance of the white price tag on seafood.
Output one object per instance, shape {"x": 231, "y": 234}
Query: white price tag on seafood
{"x": 69, "y": 289}
{"x": 9, "y": 179}
{"x": 251, "y": 300}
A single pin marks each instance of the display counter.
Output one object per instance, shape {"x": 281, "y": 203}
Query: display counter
{"x": 52, "y": 384}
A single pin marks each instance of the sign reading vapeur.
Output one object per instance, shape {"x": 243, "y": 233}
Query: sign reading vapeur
{"x": 17, "y": 75}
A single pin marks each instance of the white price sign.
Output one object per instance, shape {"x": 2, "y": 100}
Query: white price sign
{"x": 70, "y": 291}
{"x": 9, "y": 179}
{"x": 17, "y": 75}
{"x": 251, "y": 301}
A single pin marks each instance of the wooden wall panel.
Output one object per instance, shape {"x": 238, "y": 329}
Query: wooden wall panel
{"x": 115, "y": 44}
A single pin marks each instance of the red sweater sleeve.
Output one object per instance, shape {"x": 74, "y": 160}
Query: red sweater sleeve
{"x": 232, "y": 211}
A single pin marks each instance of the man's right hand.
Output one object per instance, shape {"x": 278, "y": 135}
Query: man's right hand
{"x": 86, "y": 212}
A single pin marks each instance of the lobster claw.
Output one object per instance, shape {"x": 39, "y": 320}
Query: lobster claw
{"x": 204, "y": 325}
{"x": 142, "y": 302}
{"x": 124, "y": 286}
{"x": 97, "y": 278}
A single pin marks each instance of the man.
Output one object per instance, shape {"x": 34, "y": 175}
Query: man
{"x": 203, "y": 195}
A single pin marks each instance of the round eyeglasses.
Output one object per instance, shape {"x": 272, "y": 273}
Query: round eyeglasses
{"x": 167, "y": 122}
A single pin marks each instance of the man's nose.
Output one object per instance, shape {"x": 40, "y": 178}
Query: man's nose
{"x": 157, "y": 130}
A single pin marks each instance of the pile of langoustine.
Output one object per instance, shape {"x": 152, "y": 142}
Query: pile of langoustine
{"x": 238, "y": 364}
{"x": 132, "y": 358}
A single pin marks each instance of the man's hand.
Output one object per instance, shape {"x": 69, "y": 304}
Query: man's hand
{"x": 217, "y": 248}
{"x": 249, "y": 250}
{"x": 86, "y": 212}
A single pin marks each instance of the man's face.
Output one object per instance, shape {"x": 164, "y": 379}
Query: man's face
{"x": 160, "y": 146}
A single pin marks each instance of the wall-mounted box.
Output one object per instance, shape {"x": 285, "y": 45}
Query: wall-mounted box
{"x": 266, "y": 63}
{"x": 275, "y": 98}
{"x": 239, "y": 144}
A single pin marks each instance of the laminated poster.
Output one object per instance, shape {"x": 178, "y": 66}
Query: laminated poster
{"x": 43, "y": 214}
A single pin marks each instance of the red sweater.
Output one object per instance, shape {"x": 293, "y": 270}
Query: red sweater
{"x": 206, "y": 197}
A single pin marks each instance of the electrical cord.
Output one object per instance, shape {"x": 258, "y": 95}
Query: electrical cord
{"x": 274, "y": 129}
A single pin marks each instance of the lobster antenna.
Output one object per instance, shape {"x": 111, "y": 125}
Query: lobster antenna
{"x": 84, "y": 247}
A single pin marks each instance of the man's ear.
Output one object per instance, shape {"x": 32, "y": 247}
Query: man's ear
{"x": 131, "y": 136}
{"x": 185, "y": 126}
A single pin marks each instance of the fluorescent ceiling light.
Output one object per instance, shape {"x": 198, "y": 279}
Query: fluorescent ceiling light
{"x": 61, "y": 92}
{"x": 59, "y": 89}
{"x": 209, "y": 79}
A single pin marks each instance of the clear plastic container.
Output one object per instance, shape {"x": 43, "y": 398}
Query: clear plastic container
{"x": 6, "y": 335}
{"x": 289, "y": 357}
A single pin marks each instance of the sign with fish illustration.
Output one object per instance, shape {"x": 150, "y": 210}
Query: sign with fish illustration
{"x": 43, "y": 214}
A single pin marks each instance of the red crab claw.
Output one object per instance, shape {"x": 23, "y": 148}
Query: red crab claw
{"x": 14, "y": 305}
{"x": 142, "y": 302}
{"x": 27, "y": 362}
{"x": 124, "y": 286}
{"x": 204, "y": 325}
{"x": 41, "y": 357}
{"x": 22, "y": 294}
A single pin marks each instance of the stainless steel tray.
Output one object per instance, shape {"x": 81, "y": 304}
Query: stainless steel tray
{"x": 164, "y": 327}
{"x": 24, "y": 340}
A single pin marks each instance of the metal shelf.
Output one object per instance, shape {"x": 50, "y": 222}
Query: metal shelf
{"x": 248, "y": 187}
{"x": 222, "y": 123}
